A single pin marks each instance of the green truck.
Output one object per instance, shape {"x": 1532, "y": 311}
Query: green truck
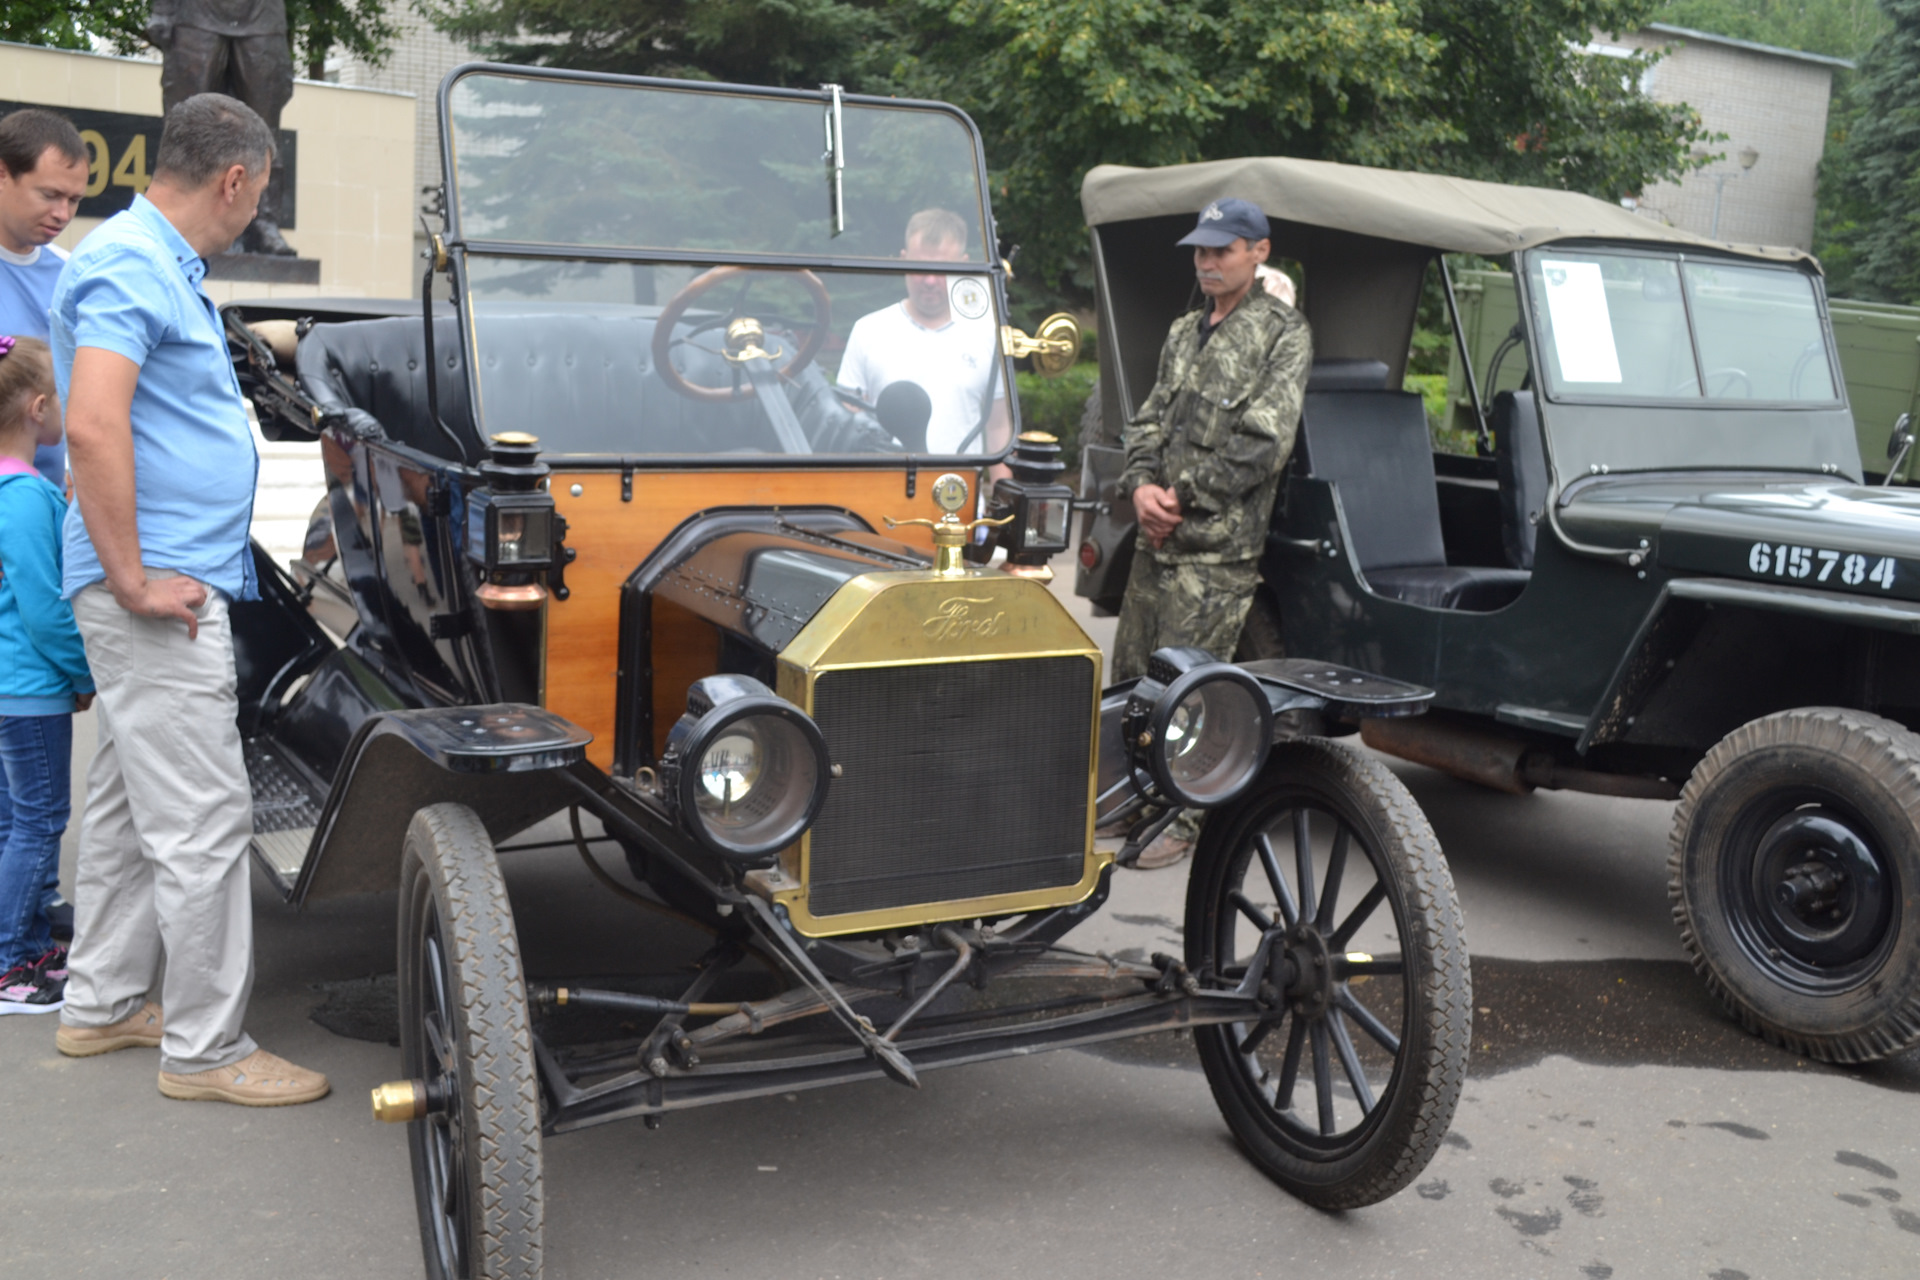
{"x": 1878, "y": 342}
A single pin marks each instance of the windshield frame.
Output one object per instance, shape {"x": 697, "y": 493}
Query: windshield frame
{"x": 1537, "y": 344}
{"x": 458, "y": 248}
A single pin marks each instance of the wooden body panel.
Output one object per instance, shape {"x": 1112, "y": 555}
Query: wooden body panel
{"x": 581, "y": 665}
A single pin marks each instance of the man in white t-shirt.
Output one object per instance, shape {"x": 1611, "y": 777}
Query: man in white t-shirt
{"x": 943, "y": 338}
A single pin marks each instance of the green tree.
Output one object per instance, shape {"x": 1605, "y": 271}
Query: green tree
{"x": 314, "y": 27}
{"x": 74, "y": 24}
{"x": 1870, "y": 211}
{"x": 1497, "y": 89}
{"x": 770, "y": 42}
{"x": 1837, "y": 28}
{"x": 318, "y": 27}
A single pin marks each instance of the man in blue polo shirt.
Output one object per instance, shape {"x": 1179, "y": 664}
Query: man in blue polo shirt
{"x": 43, "y": 175}
{"x": 156, "y": 549}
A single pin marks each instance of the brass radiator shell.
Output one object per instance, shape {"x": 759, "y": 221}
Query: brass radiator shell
{"x": 947, "y": 762}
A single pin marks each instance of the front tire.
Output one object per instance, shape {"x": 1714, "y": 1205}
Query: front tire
{"x": 464, "y": 1031}
{"x": 1344, "y": 1092}
{"x": 1794, "y": 872}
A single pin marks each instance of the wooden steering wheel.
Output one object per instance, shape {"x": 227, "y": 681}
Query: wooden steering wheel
{"x": 816, "y": 334}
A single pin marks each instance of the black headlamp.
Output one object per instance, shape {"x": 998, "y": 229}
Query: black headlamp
{"x": 745, "y": 770}
{"x": 1198, "y": 730}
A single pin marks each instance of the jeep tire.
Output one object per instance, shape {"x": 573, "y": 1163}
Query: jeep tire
{"x": 1795, "y": 879}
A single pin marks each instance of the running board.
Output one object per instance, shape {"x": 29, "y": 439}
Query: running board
{"x": 285, "y": 813}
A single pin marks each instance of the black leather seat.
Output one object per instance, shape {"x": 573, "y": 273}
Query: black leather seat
{"x": 1343, "y": 374}
{"x": 1373, "y": 445}
{"x": 377, "y": 368}
{"x": 1520, "y": 460}
{"x": 583, "y": 381}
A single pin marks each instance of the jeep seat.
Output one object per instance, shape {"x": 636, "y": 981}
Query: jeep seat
{"x": 1520, "y": 460}
{"x": 1373, "y": 445}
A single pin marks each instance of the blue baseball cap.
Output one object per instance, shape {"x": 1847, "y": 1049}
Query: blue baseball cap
{"x": 1224, "y": 221}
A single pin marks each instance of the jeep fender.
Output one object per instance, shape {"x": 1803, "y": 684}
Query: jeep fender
{"x": 1676, "y": 618}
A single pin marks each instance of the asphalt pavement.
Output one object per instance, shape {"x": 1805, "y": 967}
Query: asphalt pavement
{"x": 1614, "y": 1125}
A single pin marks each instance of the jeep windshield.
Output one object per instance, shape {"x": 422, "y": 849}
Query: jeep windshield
{"x": 1678, "y": 329}
{"x": 653, "y": 268}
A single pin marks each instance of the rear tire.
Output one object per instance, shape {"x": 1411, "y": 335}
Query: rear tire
{"x": 1795, "y": 861}
{"x": 464, "y": 1030}
{"x": 1344, "y": 1092}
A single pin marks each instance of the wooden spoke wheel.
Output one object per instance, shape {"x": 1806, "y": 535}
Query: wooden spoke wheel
{"x": 1344, "y": 1089}
{"x": 464, "y": 1031}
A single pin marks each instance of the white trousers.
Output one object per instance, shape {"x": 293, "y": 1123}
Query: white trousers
{"x": 163, "y": 842}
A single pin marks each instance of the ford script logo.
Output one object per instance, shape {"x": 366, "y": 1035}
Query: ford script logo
{"x": 955, "y": 620}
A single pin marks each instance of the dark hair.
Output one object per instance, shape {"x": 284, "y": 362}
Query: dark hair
{"x": 25, "y": 136}
{"x": 208, "y": 134}
{"x": 26, "y": 371}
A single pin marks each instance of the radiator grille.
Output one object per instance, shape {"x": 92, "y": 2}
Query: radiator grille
{"x": 959, "y": 780}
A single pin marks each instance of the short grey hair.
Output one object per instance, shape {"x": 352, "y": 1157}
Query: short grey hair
{"x": 208, "y": 134}
{"x": 937, "y": 226}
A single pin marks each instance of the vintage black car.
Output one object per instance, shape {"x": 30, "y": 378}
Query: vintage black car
{"x": 604, "y": 539}
{"x": 1661, "y": 575}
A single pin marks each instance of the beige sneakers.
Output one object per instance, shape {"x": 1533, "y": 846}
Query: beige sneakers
{"x": 1166, "y": 851}
{"x": 258, "y": 1080}
{"x": 138, "y": 1030}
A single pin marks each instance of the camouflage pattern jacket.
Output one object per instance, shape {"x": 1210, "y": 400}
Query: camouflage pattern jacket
{"x": 1218, "y": 426}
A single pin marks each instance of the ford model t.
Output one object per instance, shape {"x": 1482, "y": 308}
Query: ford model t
{"x": 1660, "y": 576}
{"x": 669, "y": 525}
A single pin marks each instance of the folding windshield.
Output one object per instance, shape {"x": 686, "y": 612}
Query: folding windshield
{"x": 596, "y": 163}
{"x": 1674, "y": 328}
{"x": 691, "y": 271}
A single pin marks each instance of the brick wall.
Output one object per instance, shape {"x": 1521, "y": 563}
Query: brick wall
{"x": 1773, "y": 103}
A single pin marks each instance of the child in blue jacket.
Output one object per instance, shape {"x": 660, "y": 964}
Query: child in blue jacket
{"x": 43, "y": 680}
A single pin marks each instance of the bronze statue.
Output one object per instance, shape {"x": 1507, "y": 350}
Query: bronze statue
{"x": 239, "y": 48}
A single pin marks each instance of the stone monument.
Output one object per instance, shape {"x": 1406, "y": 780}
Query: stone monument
{"x": 239, "y": 48}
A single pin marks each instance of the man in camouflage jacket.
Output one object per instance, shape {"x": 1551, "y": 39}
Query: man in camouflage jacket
{"x": 1204, "y": 455}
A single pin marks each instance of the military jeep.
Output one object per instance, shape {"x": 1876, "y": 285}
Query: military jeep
{"x": 605, "y": 541}
{"x": 1660, "y": 574}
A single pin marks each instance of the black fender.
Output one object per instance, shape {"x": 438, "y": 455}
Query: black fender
{"x": 1291, "y": 684}
{"x": 1686, "y": 643}
{"x": 502, "y": 760}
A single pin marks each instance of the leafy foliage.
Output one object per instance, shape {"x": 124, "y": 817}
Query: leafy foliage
{"x": 770, "y": 42}
{"x": 357, "y": 27}
{"x": 1056, "y": 404}
{"x": 73, "y": 24}
{"x": 314, "y": 27}
{"x": 1837, "y": 28}
{"x": 1870, "y": 210}
{"x": 1493, "y": 89}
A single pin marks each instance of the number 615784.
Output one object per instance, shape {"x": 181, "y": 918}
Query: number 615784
{"x": 1852, "y": 568}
